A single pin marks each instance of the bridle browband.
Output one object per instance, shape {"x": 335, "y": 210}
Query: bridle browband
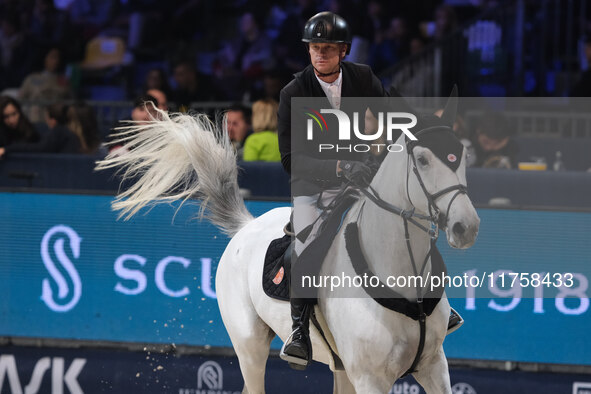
{"x": 435, "y": 218}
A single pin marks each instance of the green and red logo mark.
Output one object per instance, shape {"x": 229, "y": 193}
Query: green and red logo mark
{"x": 318, "y": 118}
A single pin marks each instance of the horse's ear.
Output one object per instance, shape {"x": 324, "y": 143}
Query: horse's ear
{"x": 451, "y": 108}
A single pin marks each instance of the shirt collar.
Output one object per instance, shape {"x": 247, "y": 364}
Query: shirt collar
{"x": 336, "y": 83}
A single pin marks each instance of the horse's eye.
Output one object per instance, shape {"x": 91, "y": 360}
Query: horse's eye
{"x": 422, "y": 161}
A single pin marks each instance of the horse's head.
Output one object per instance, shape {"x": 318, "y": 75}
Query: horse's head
{"x": 436, "y": 178}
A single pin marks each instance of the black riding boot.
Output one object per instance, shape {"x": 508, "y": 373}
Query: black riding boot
{"x": 297, "y": 350}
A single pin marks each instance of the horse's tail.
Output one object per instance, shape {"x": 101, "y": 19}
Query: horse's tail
{"x": 177, "y": 157}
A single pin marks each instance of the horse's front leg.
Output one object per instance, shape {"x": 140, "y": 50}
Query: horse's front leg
{"x": 371, "y": 384}
{"x": 433, "y": 374}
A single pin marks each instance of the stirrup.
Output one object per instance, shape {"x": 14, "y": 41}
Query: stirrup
{"x": 297, "y": 363}
{"x": 455, "y": 321}
{"x": 288, "y": 230}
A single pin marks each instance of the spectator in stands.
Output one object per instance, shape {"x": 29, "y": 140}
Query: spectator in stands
{"x": 59, "y": 139}
{"x": 191, "y": 86}
{"x": 48, "y": 26}
{"x": 290, "y": 32}
{"x": 92, "y": 15}
{"x": 273, "y": 82}
{"x": 446, "y": 21}
{"x": 156, "y": 79}
{"x": 47, "y": 85}
{"x": 393, "y": 48}
{"x": 15, "y": 127}
{"x": 263, "y": 144}
{"x": 13, "y": 52}
{"x": 238, "y": 126}
{"x": 160, "y": 96}
{"x": 82, "y": 122}
{"x": 417, "y": 44}
{"x": 583, "y": 86}
{"x": 243, "y": 61}
{"x": 143, "y": 111}
{"x": 493, "y": 143}
{"x": 376, "y": 14}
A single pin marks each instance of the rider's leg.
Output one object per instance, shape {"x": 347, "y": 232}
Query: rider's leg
{"x": 297, "y": 349}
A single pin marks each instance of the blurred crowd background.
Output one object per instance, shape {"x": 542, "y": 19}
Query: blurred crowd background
{"x": 110, "y": 57}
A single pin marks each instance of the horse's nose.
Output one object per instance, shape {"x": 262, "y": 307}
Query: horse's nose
{"x": 458, "y": 229}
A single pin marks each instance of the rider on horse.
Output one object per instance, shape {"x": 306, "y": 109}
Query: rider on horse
{"x": 317, "y": 177}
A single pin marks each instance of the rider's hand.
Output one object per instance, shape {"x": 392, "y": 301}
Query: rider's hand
{"x": 356, "y": 172}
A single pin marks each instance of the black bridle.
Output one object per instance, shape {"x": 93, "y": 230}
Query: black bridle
{"x": 435, "y": 218}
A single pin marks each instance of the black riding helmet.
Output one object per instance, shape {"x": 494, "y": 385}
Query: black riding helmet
{"x": 327, "y": 27}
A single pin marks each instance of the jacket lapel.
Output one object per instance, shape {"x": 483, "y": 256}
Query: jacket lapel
{"x": 346, "y": 85}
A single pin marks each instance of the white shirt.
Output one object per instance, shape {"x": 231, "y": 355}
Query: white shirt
{"x": 333, "y": 90}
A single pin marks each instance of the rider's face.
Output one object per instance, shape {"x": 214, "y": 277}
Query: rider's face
{"x": 325, "y": 57}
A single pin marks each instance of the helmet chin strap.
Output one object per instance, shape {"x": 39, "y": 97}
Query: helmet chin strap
{"x": 321, "y": 74}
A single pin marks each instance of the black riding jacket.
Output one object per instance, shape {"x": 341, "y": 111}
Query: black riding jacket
{"x": 312, "y": 171}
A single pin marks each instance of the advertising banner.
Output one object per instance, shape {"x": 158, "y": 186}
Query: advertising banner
{"x": 70, "y": 270}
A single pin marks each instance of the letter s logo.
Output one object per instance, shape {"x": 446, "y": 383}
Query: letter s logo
{"x": 62, "y": 285}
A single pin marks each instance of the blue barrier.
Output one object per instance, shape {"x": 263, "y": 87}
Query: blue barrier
{"x": 567, "y": 189}
{"x": 76, "y": 172}
{"x": 269, "y": 180}
{"x": 120, "y": 372}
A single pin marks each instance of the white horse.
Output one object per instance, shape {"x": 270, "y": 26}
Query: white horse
{"x": 182, "y": 156}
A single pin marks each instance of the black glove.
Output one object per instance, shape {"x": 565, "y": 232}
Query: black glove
{"x": 356, "y": 172}
{"x": 373, "y": 162}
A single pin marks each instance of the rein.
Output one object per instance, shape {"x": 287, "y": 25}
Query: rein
{"x": 435, "y": 218}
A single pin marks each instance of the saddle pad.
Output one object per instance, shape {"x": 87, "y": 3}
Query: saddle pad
{"x": 310, "y": 262}
{"x": 275, "y": 275}
{"x": 277, "y": 269}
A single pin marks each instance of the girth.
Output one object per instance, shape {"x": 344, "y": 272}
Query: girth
{"x": 388, "y": 298}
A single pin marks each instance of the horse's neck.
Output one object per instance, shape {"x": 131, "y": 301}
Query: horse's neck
{"x": 382, "y": 234}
